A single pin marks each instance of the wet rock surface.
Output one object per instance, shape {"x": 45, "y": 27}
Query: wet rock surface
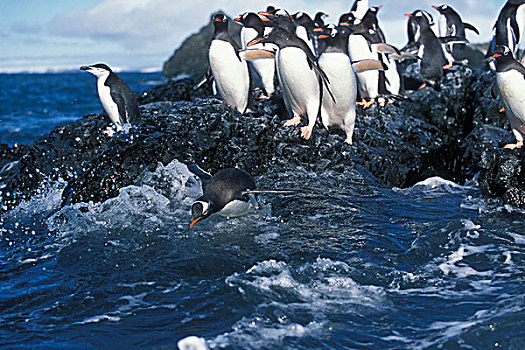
{"x": 454, "y": 133}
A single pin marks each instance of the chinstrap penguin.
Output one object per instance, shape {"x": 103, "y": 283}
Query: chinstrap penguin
{"x": 116, "y": 97}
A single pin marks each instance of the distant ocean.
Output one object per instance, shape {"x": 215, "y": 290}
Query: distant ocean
{"x": 32, "y": 104}
{"x": 345, "y": 264}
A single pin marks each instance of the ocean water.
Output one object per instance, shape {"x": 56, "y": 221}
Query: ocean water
{"x": 345, "y": 264}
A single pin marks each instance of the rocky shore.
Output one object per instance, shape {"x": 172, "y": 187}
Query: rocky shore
{"x": 455, "y": 134}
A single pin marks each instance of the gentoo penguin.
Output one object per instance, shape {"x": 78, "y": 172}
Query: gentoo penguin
{"x": 413, "y": 29}
{"x": 319, "y": 19}
{"x": 305, "y": 29}
{"x": 253, "y": 27}
{"x": 116, "y": 97}
{"x": 300, "y": 77}
{"x": 230, "y": 193}
{"x": 450, "y": 24}
{"x": 509, "y": 27}
{"x": 360, "y": 48}
{"x": 510, "y": 77}
{"x": 229, "y": 69}
{"x": 335, "y": 62}
{"x": 359, "y": 9}
{"x": 431, "y": 53}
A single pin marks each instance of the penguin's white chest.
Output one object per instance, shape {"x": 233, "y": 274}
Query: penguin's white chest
{"x": 111, "y": 108}
{"x": 511, "y": 85}
{"x": 235, "y": 208}
{"x": 230, "y": 74}
{"x": 298, "y": 81}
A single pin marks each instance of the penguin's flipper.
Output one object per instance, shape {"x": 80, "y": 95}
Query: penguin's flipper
{"x": 471, "y": 27}
{"x": 253, "y": 54}
{"x": 201, "y": 174}
{"x": 386, "y": 49}
{"x": 368, "y": 64}
{"x": 453, "y": 40}
{"x": 494, "y": 90}
{"x": 208, "y": 77}
{"x": 404, "y": 56}
{"x": 121, "y": 105}
{"x": 270, "y": 191}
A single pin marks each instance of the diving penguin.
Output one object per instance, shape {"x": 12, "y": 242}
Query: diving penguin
{"x": 300, "y": 77}
{"x": 230, "y": 193}
{"x": 510, "y": 77}
{"x": 116, "y": 97}
{"x": 229, "y": 69}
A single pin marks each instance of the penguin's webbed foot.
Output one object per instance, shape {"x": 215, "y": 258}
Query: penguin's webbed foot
{"x": 448, "y": 66}
{"x": 348, "y": 140}
{"x": 264, "y": 97}
{"x": 306, "y": 131}
{"x": 518, "y": 144}
{"x": 293, "y": 122}
{"x": 424, "y": 85}
{"x": 109, "y": 131}
{"x": 369, "y": 103}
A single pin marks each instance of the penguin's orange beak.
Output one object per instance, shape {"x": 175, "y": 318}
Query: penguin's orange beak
{"x": 195, "y": 221}
{"x": 238, "y": 19}
{"x": 409, "y": 15}
{"x": 317, "y": 30}
{"x": 496, "y": 55}
{"x": 346, "y": 24}
{"x": 255, "y": 41}
{"x": 323, "y": 36}
{"x": 217, "y": 20}
{"x": 265, "y": 14}
{"x": 436, "y": 7}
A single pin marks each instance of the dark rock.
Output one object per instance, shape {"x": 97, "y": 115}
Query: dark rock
{"x": 192, "y": 56}
{"x": 503, "y": 175}
{"x": 437, "y": 133}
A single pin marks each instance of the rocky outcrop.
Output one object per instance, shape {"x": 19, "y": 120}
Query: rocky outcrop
{"x": 192, "y": 56}
{"x": 454, "y": 133}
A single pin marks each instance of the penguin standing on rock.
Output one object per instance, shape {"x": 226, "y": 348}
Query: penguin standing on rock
{"x": 253, "y": 27}
{"x": 451, "y": 25}
{"x": 300, "y": 77}
{"x": 116, "y": 97}
{"x": 509, "y": 27}
{"x": 431, "y": 53}
{"x": 510, "y": 77}
{"x": 229, "y": 69}
{"x": 334, "y": 60}
{"x": 229, "y": 193}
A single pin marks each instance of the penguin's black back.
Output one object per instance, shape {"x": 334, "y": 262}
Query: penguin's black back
{"x": 453, "y": 19}
{"x": 433, "y": 58}
{"x": 124, "y": 98}
{"x": 228, "y": 185}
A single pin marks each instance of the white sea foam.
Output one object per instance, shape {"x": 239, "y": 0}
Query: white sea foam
{"x": 318, "y": 289}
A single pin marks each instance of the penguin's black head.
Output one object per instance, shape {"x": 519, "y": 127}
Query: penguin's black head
{"x": 444, "y": 9}
{"x": 347, "y": 19}
{"x": 501, "y": 51}
{"x": 201, "y": 209}
{"x": 304, "y": 19}
{"x": 99, "y": 69}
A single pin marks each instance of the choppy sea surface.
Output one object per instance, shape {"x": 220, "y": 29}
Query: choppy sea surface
{"x": 345, "y": 264}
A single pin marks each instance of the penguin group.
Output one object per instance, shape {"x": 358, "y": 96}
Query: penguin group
{"x": 323, "y": 71}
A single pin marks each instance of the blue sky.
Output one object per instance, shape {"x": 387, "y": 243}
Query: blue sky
{"x": 42, "y": 35}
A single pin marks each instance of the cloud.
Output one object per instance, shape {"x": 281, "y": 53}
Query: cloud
{"x": 163, "y": 24}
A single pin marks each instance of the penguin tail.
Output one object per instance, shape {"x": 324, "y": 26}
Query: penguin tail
{"x": 201, "y": 174}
